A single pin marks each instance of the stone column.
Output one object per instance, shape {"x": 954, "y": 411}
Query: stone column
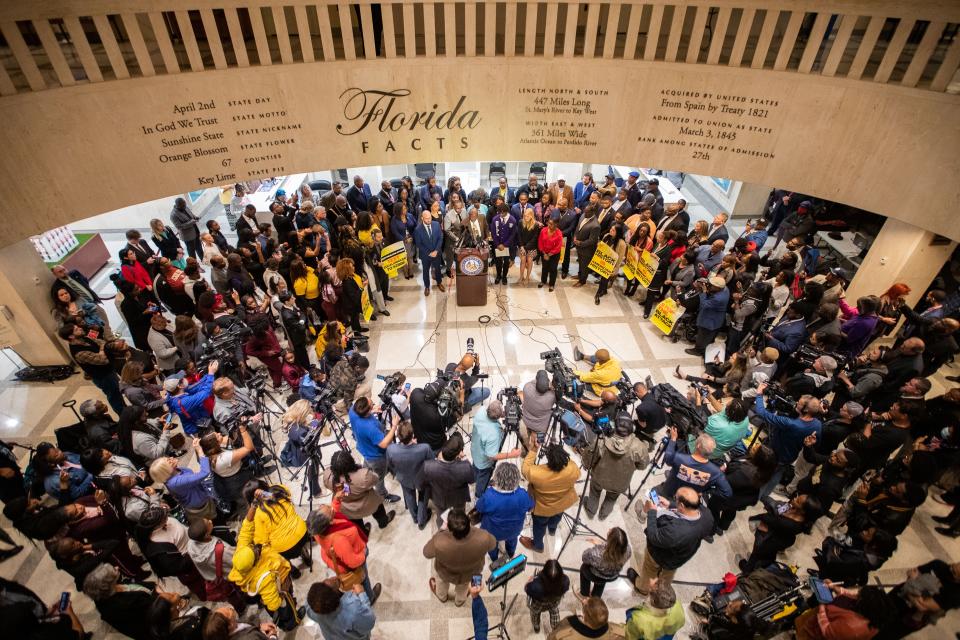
{"x": 750, "y": 201}
{"x": 25, "y": 291}
{"x": 901, "y": 253}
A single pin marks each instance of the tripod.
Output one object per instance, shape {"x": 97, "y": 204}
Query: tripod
{"x": 575, "y": 522}
{"x": 655, "y": 463}
{"x": 268, "y": 414}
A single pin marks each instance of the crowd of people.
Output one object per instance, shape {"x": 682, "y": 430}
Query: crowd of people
{"x": 165, "y": 513}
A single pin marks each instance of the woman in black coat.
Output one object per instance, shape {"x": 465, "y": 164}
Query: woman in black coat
{"x": 166, "y": 240}
{"x": 350, "y": 301}
{"x": 662, "y": 250}
{"x": 122, "y": 606}
{"x": 746, "y": 476}
{"x": 777, "y": 532}
{"x": 137, "y": 309}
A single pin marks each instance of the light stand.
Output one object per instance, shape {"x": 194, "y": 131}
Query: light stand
{"x": 268, "y": 413}
{"x": 501, "y": 627}
{"x": 576, "y": 522}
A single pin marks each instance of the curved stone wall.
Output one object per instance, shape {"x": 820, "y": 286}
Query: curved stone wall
{"x": 743, "y": 90}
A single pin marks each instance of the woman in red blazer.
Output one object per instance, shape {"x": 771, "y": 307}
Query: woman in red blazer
{"x": 549, "y": 243}
{"x": 134, "y": 272}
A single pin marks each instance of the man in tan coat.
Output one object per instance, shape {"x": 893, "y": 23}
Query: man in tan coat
{"x": 553, "y": 487}
{"x": 560, "y": 189}
{"x": 458, "y": 553}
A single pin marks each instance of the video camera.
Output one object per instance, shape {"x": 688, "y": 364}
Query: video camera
{"x": 779, "y": 401}
{"x": 626, "y": 396}
{"x": 448, "y": 398}
{"x": 680, "y": 412}
{"x": 391, "y": 385}
{"x": 806, "y": 354}
{"x": 564, "y": 381}
{"x": 510, "y": 398}
{"x": 224, "y": 346}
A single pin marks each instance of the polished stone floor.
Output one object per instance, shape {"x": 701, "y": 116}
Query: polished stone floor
{"x": 425, "y": 333}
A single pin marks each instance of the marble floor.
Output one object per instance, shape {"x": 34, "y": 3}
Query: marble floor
{"x": 510, "y": 331}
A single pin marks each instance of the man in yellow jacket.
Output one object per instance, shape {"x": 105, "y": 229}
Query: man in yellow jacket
{"x": 259, "y": 570}
{"x": 603, "y": 374}
{"x": 552, "y": 486}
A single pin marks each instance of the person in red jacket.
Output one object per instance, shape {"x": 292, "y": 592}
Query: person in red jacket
{"x": 343, "y": 547}
{"x": 134, "y": 272}
{"x": 550, "y": 243}
{"x": 263, "y": 344}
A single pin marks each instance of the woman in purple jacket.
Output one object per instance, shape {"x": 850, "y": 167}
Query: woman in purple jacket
{"x": 861, "y": 323}
{"x": 503, "y": 230}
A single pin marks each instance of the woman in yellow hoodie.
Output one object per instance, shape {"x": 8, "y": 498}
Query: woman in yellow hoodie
{"x": 276, "y": 524}
{"x": 261, "y": 571}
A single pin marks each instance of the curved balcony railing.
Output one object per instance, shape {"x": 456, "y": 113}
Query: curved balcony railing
{"x": 49, "y": 44}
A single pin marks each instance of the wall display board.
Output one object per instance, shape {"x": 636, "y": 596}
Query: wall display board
{"x": 146, "y": 138}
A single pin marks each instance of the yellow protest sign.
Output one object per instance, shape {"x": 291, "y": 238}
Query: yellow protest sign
{"x": 604, "y": 260}
{"x": 666, "y": 314}
{"x": 365, "y": 304}
{"x": 630, "y": 263}
{"x": 393, "y": 257}
{"x": 646, "y": 267}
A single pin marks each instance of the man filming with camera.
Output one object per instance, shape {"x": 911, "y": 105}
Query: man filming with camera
{"x": 188, "y": 401}
{"x": 787, "y": 433}
{"x": 612, "y": 461}
{"x": 346, "y": 382}
{"x": 487, "y": 440}
{"x": 603, "y": 374}
{"x": 372, "y": 442}
{"x": 429, "y": 426}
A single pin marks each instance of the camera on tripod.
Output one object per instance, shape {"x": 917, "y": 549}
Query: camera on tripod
{"x": 565, "y": 382}
{"x": 510, "y": 398}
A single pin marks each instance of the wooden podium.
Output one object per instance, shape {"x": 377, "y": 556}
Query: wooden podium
{"x": 471, "y": 277}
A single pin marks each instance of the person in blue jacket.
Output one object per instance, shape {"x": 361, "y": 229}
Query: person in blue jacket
{"x": 787, "y": 433}
{"x": 503, "y": 507}
{"x": 791, "y": 332}
{"x": 503, "y": 231}
{"x": 428, "y": 236}
{"x": 714, "y": 297}
{"x": 581, "y": 192}
{"x": 187, "y": 402}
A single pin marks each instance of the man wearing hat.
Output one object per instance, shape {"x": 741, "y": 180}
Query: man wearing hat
{"x": 763, "y": 361}
{"x": 653, "y": 199}
{"x": 798, "y": 223}
{"x": 609, "y": 186}
{"x": 714, "y": 297}
{"x": 816, "y": 381}
{"x": 187, "y": 401}
{"x": 634, "y": 190}
{"x": 560, "y": 189}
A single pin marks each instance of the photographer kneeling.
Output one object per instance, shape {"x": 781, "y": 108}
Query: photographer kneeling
{"x": 602, "y": 415}
{"x": 613, "y": 462}
{"x": 469, "y": 396}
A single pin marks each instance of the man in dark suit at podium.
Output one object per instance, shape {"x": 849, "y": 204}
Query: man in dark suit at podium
{"x": 475, "y": 230}
{"x": 428, "y": 236}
